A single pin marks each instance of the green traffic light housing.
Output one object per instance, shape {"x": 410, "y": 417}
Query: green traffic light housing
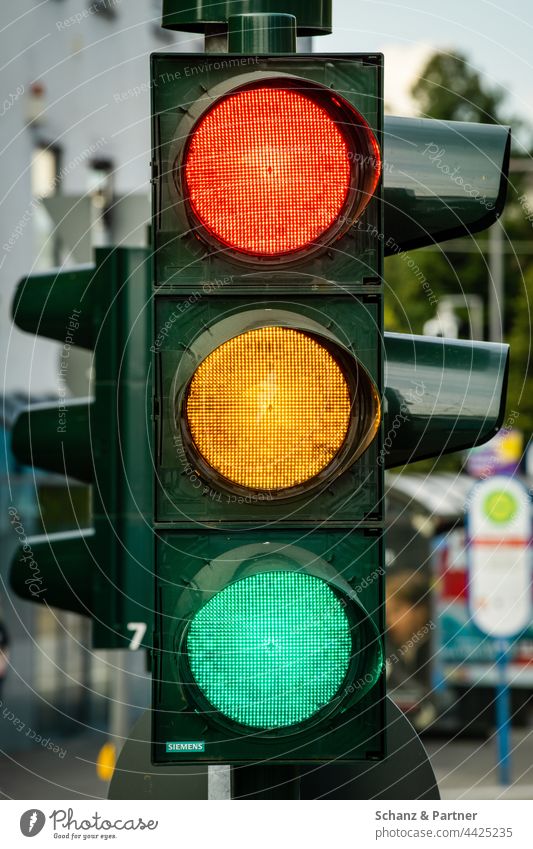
{"x": 103, "y": 572}
{"x": 442, "y": 180}
{"x": 307, "y": 216}
{"x": 250, "y": 549}
{"x": 272, "y": 649}
{"x": 313, "y": 17}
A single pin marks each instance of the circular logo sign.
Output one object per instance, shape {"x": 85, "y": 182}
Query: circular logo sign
{"x": 500, "y": 506}
{"x": 32, "y": 822}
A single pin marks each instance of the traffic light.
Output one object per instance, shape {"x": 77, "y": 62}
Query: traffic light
{"x": 247, "y": 400}
{"x": 268, "y": 382}
{"x": 272, "y": 415}
{"x": 103, "y": 571}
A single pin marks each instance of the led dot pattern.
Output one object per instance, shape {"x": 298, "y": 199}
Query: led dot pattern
{"x": 268, "y": 409}
{"x": 267, "y": 171}
{"x": 272, "y": 649}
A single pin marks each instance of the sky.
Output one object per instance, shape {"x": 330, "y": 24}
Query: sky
{"x": 497, "y": 37}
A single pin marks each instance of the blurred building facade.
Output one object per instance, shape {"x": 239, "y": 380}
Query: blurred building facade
{"x": 76, "y": 147}
{"x": 74, "y": 157}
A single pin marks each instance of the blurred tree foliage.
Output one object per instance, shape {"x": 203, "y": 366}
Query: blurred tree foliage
{"x": 450, "y": 89}
{"x": 520, "y": 394}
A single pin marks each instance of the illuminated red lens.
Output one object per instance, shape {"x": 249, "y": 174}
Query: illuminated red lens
{"x": 268, "y": 171}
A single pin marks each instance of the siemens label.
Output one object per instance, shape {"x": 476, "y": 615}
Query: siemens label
{"x": 196, "y": 746}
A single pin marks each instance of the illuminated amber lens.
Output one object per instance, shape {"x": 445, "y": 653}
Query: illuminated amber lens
{"x": 269, "y": 409}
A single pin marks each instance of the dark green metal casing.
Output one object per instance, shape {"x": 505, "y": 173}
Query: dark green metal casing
{"x": 181, "y": 497}
{"x": 182, "y": 85}
{"x": 198, "y": 291}
{"x": 104, "y": 572}
{"x": 441, "y": 395}
{"x": 442, "y": 179}
{"x": 313, "y": 16}
{"x": 437, "y": 395}
{"x": 354, "y": 733}
{"x": 262, "y": 33}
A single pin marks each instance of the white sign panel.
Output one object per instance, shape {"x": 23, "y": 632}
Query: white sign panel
{"x": 499, "y": 556}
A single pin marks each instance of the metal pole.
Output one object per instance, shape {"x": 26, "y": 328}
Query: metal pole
{"x": 406, "y": 773}
{"x": 118, "y": 711}
{"x": 304, "y": 44}
{"x": 503, "y": 713}
{"x": 265, "y": 782}
{"x": 216, "y": 38}
{"x": 496, "y": 297}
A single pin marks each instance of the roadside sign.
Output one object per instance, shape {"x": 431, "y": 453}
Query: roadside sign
{"x": 499, "y": 590}
{"x": 499, "y": 529}
{"x": 501, "y": 455}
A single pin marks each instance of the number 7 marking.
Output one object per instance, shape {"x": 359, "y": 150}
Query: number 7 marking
{"x": 139, "y": 629}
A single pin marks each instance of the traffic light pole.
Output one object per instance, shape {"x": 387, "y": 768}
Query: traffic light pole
{"x": 265, "y": 782}
{"x": 405, "y": 773}
{"x": 496, "y": 282}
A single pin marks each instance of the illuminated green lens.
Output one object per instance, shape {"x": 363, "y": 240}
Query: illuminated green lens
{"x": 272, "y": 649}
